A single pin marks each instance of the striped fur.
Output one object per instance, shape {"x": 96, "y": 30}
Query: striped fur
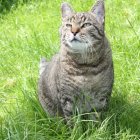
{"x": 80, "y": 77}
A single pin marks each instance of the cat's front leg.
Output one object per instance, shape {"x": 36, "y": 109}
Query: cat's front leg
{"x": 67, "y": 107}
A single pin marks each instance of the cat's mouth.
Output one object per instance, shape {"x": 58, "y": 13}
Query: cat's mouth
{"x": 75, "y": 39}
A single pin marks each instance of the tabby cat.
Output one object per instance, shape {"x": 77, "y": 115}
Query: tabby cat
{"x": 80, "y": 77}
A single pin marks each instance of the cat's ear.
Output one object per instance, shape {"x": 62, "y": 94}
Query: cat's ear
{"x": 66, "y": 9}
{"x": 99, "y": 11}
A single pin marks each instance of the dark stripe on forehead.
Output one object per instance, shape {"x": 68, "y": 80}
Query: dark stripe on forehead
{"x": 83, "y": 18}
{"x": 71, "y": 19}
{"x": 80, "y": 17}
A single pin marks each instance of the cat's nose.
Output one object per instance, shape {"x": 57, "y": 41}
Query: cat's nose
{"x": 74, "y": 33}
{"x": 75, "y": 30}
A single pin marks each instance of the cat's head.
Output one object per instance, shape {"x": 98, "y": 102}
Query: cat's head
{"x": 83, "y": 30}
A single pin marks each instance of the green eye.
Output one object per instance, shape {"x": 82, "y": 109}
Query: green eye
{"x": 86, "y": 25}
{"x": 68, "y": 25}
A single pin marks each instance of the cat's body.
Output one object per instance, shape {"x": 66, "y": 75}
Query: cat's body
{"x": 80, "y": 77}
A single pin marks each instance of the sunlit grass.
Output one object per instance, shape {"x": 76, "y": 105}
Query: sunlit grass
{"x": 31, "y": 31}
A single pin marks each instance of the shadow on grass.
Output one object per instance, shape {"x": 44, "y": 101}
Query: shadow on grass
{"x": 126, "y": 115}
{"x": 7, "y": 5}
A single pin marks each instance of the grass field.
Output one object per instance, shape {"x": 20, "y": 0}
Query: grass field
{"x": 29, "y": 31}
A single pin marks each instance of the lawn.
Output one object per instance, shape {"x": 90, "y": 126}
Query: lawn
{"x": 29, "y": 30}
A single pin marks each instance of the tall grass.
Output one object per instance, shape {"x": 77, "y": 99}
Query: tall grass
{"x": 30, "y": 31}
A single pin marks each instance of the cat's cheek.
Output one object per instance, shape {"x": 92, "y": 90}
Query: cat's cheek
{"x": 69, "y": 37}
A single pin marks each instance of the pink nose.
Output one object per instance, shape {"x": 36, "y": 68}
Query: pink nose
{"x": 75, "y": 29}
{"x": 74, "y": 33}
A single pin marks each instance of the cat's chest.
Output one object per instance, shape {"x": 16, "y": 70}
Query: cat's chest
{"x": 82, "y": 78}
{"x": 81, "y": 82}
{"x": 87, "y": 82}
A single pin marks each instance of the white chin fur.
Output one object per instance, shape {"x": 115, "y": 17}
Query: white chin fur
{"x": 78, "y": 46}
{"x": 81, "y": 48}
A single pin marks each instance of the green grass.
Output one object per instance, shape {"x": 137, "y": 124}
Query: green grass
{"x": 29, "y": 31}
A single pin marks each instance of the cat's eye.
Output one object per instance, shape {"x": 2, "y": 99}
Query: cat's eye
{"x": 86, "y": 25}
{"x": 68, "y": 25}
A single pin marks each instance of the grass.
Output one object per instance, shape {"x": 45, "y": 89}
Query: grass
{"x": 29, "y": 31}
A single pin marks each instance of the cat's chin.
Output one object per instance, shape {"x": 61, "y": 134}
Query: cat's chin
{"x": 77, "y": 46}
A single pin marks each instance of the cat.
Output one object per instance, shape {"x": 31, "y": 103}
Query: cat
{"x": 80, "y": 77}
